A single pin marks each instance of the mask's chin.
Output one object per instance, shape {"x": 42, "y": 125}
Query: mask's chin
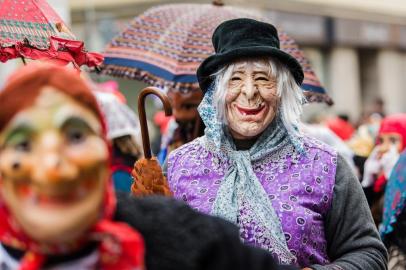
{"x": 246, "y": 132}
{"x": 55, "y": 216}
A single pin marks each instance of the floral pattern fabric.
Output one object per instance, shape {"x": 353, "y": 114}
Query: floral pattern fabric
{"x": 300, "y": 188}
{"x": 395, "y": 196}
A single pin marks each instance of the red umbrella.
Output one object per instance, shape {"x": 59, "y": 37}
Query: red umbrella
{"x": 164, "y": 46}
{"x": 32, "y": 29}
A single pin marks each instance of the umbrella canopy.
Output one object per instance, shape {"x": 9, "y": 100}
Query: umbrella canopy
{"x": 165, "y": 45}
{"x": 32, "y": 29}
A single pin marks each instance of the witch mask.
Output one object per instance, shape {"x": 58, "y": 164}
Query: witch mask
{"x": 184, "y": 105}
{"x": 251, "y": 99}
{"x": 56, "y": 193}
{"x": 53, "y": 156}
{"x": 53, "y": 167}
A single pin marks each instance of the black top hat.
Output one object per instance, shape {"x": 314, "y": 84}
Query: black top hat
{"x": 245, "y": 38}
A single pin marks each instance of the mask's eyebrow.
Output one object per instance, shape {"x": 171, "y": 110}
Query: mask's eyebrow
{"x": 17, "y": 131}
{"x": 77, "y": 122}
{"x": 260, "y": 73}
{"x": 70, "y": 116}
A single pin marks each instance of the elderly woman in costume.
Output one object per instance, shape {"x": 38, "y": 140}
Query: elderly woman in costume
{"x": 58, "y": 209}
{"x": 289, "y": 194}
{"x": 393, "y": 225}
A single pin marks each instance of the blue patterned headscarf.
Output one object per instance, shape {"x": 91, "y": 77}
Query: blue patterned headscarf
{"x": 240, "y": 189}
{"x": 395, "y": 196}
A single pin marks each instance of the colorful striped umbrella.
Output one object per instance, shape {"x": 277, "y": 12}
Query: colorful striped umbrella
{"x": 32, "y": 29}
{"x": 165, "y": 45}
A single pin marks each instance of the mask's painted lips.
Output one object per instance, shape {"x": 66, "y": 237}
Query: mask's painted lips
{"x": 56, "y": 197}
{"x": 250, "y": 111}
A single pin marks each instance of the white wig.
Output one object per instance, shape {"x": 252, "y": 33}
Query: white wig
{"x": 291, "y": 95}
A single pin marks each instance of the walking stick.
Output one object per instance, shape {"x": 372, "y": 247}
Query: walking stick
{"x": 143, "y": 118}
{"x": 147, "y": 174}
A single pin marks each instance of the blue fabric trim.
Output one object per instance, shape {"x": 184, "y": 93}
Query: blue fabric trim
{"x": 162, "y": 155}
{"x": 395, "y": 196}
{"x": 122, "y": 181}
{"x": 312, "y": 88}
{"x": 154, "y": 70}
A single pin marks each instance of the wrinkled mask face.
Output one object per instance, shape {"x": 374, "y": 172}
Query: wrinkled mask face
{"x": 184, "y": 105}
{"x": 389, "y": 140}
{"x": 251, "y": 99}
{"x": 53, "y": 166}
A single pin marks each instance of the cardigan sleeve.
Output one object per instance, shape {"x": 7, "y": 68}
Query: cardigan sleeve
{"x": 353, "y": 242}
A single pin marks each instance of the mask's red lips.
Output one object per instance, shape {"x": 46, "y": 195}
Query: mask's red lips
{"x": 55, "y": 197}
{"x": 249, "y": 111}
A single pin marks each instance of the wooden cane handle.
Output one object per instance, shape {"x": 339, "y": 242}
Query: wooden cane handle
{"x": 143, "y": 118}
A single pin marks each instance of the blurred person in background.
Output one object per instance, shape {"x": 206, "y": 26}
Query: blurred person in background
{"x": 122, "y": 130}
{"x": 58, "y": 209}
{"x": 363, "y": 141}
{"x": 185, "y": 125}
{"x": 393, "y": 227}
{"x": 378, "y": 107}
{"x": 340, "y": 126}
{"x": 316, "y": 128}
{"x": 390, "y": 142}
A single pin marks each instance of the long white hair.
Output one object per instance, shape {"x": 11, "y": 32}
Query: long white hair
{"x": 291, "y": 96}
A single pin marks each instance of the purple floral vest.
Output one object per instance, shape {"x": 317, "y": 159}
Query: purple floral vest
{"x": 299, "y": 186}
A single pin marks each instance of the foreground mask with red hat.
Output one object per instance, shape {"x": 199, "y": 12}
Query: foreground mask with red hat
{"x": 56, "y": 193}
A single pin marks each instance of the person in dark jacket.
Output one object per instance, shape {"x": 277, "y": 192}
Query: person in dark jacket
{"x": 57, "y": 206}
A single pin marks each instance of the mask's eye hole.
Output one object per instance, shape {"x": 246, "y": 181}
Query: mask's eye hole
{"x": 20, "y": 138}
{"x": 23, "y": 146}
{"x": 393, "y": 140}
{"x": 76, "y": 130}
{"x": 75, "y": 136}
{"x": 262, "y": 78}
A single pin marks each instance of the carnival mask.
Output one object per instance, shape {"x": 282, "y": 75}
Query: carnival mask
{"x": 388, "y": 140}
{"x": 184, "y": 105}
{"x": 251, "y": 99}
{"x": 53, "y": 166}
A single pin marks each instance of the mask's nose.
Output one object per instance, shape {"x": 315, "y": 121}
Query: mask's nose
{"x": 249, "y": 89}
{"x": 52, "y": 164}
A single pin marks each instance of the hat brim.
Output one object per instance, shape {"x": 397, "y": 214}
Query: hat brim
{"x": 215, "y": 62}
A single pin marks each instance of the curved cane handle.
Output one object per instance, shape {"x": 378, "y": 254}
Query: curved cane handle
{"x": 143, "y": 118}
